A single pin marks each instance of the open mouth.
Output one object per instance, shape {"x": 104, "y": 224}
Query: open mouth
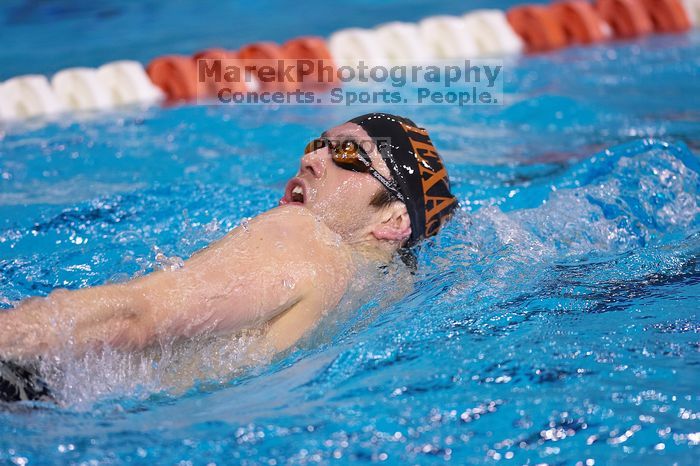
{"x": 298, "y": 194}
{"x": 295, "y": 192}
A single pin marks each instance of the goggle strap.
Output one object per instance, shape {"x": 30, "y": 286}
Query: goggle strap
{"x": 387, "y": 184}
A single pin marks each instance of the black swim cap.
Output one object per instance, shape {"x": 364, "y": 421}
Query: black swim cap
{"x": 416, "y": 168}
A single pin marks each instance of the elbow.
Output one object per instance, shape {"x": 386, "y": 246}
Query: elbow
{"x": 134, "y": 326}
{"x": 132, "y": 333}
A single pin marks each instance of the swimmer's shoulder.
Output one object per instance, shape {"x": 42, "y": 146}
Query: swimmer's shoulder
{"x": 314, "y": 246}
{"x": 300, "y": 229}
{"x": 301, "y": 224}
{"x": 300, "y": 234}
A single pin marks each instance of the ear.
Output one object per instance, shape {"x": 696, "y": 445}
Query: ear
{"x": 395, "y": 224}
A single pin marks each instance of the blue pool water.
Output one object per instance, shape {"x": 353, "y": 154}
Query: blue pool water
{"x": 553, "y": 321}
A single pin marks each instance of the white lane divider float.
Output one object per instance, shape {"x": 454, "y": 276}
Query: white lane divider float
{"x": 692, "y": 8}
{"x": 448, "y": 37}
{"x": 113, "y": 84}
{"x": 7, "y": 111}
{"x": 81, "y": 89}
{"x": 349, "y": 45}
{"x": 127, "y": 83}
{"x": 28, "y": 96}
{"x": 401, "y": 42}
{"x": 478, "y": 33}
{"x": 492, "y": 32}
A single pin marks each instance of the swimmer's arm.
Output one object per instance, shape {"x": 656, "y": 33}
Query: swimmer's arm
{"x": 43, "y": 325}
{"x": 241, "y": 281}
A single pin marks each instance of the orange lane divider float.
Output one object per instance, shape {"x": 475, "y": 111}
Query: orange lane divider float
{"x": 260, "y": 55}
{"x": 178, "y": 78}
{"x": 667, "y": 15}
{"x": 538, "y": 27}
{"x": 315, "y": 49}
{"x": 210, "y": 86}
{"x": 175, "y": 75}
{"x": 215, "y": 53}
{"x": 627, "y": 18}
{"x": 580, "y": 22}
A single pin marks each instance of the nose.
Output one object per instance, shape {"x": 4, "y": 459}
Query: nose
{"x": 313, "y": 163}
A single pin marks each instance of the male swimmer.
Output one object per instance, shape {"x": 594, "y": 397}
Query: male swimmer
{"x": 366, "y": 191}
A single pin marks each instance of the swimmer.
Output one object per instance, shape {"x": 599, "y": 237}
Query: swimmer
{"x": 366, "y": 191}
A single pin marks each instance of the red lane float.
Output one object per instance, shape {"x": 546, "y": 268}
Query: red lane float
{"x": 580, "y": 22}
{"x": 259, "y": 55}
{"x": 667, "y": 15}
{"x": 311, "y": 48}
{"x": 175, "y": 75}
{"x": 214, "y": 53}
{"x": 538, "y": 27}
{"x": 627, "y": 18}
{"x": 208, "y": 84}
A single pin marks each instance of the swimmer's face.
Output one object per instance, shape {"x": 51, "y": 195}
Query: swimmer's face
{"x": 341, "y": 197}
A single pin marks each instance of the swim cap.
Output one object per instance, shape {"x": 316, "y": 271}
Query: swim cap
{"x": 416, "y": 168}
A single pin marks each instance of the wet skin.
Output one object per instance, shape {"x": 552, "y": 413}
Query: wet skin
{"x": 280, "y": 272}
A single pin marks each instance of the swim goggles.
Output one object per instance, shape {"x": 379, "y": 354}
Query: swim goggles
{"x": 350, "y": 155}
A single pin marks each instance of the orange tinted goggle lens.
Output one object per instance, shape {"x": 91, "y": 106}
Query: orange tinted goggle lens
{"x": 314, "y": 145}
{"x": 346, "y": 154}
